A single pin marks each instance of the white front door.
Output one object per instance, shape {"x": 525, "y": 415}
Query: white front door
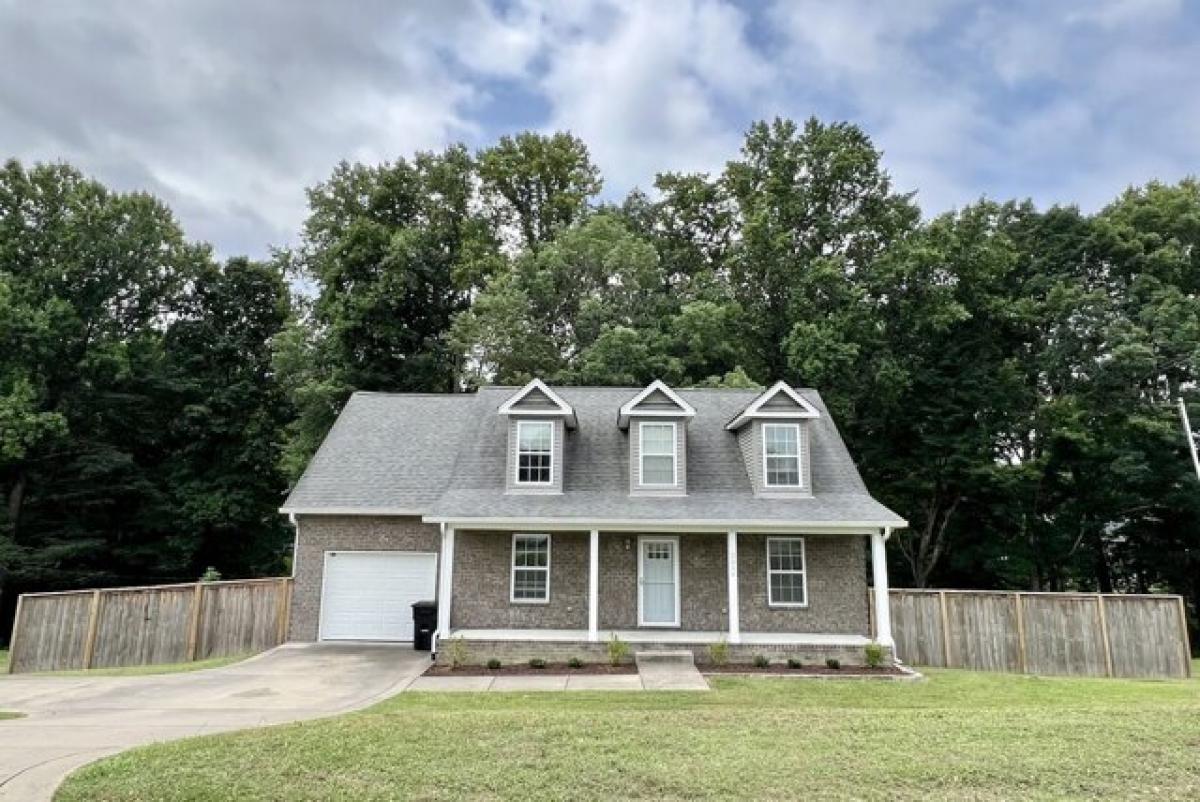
{"x": 658, "y": 581}
{"x": 368, "y": 595}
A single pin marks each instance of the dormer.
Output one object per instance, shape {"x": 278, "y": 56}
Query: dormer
{"x": 773, "y": 435}
{"x": 656, "y": 419}
{"x": 538, "y": 420}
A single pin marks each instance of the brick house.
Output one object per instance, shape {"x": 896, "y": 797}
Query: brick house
{"x": 546, "y": 520}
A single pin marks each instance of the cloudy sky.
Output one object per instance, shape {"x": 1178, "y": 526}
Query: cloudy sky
{"x": 228, "y": 109}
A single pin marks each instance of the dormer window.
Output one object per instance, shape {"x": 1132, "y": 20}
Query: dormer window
{"x": 656, "y": 419}
{"x": 538, "y": 422}
{"x": 773, "y": 435}
{"x": 657, "y": 449}
{"x": 781, "y": 455}
{"x": 535, "y": 452}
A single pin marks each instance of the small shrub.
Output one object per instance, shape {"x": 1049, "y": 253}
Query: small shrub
{"x": 494, "y": 663}
{"x": 761, "y": 661}
{"x": 457, "y": 652}
{"x": 618, "y": 650}
{"x": 833, "y": 663}
{"x": 537, "y": 662}
{"x": 575, "y": 662}
{"x": 794, "y": 663}
{"x": 211, "y": 574}
{"x": 718, "y": 653}
{"x": 873, "y": 654}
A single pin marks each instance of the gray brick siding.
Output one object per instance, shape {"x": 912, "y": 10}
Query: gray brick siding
{"x": 514, "y": 652}
{"x": 317, "y": 534}
{"x": 837, "y": 587}
{"x": 482, "y": 577}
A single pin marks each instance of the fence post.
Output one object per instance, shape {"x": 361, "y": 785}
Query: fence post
{"x": 945, "y": 628}
{"x": 283, "y": 604}
{"x": 89, "y": 643}
{"x": 1183, "y": 633}
{"x": 1021, "y": 632}
{"x": 1108, "y": 661}
{"x": 194, "y": 622}
{"x": 12, "y": 640}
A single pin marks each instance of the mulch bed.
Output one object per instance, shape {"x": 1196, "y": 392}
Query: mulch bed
{"x": 523, "y": 669}
{"x": 807, "y": 671}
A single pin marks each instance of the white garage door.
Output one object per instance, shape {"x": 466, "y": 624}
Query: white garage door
{"x": 368, "y": 595}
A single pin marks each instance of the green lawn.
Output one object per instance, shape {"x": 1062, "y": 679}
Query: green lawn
{"x": 958, "y": 735}
{"x": 138, "y": 671}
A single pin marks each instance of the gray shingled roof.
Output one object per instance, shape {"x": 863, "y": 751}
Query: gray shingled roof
{"x": 444, "y": 456}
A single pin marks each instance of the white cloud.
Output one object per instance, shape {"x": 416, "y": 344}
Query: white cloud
{"x": 647, "y": 90}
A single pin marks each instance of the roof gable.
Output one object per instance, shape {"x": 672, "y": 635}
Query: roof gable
{"x": 536, "y": 398}
{"x": 779, "y": 401}
{"x": 656, "y": 400}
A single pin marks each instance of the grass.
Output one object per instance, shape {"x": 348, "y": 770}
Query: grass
{"x": 140, "y": 671}
{"x": 958, "y": 735}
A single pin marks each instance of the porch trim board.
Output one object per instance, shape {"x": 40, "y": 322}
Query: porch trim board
{"x": 665, "y": 636}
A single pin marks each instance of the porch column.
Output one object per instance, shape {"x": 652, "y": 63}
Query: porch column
{"x": 594, "y": 586}
{"x": 883, "y": 608}
{"x": 445, "y": 580}
{"x": 731, "y": 581}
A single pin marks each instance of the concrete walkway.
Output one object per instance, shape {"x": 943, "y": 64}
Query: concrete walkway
{"x": 71, "y": 721}
{"x": 651, "y": 676}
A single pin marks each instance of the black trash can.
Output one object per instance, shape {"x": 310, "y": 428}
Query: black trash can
{"x": 424, "y": 623}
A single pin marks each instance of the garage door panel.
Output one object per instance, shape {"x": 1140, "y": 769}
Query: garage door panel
{"x": 369, "y": 595}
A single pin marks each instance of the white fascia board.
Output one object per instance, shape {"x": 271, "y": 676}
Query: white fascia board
{"x": 660, "y": 525}
{"x": 351, "y": 511}
{"x": 564, "y": 410}
{"x": 806, "y": 410}
{"x": 628, "y": 408}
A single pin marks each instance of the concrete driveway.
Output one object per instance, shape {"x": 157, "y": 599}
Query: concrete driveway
{"x": 74, "y": 720}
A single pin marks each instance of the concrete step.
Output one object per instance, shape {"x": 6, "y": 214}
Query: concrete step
{"x": 681, "y": 657}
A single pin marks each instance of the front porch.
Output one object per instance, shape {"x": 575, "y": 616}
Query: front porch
{"x": 710, "y": 587}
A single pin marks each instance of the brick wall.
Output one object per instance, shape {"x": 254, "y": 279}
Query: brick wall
{"x": 482, "y": 583}
{"x": 320, "y": 533}
{"x": 478, "y": 652}
{"x": 837, "y": 587}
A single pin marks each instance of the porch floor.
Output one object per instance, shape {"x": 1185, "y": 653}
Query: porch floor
{"x": 664, "y": 636}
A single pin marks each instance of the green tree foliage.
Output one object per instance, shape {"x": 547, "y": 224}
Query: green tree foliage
{"x": 1005, "y": 375}
{"x": 138, "y": 431}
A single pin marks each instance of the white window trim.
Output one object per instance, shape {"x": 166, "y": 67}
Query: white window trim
{"x": 512, "y": 568}
{"x": 642, "y": 540}
{"x": 803, "y": 572}
{"x": 799, "y": 456}
{"x": 517, "y": 454}
{"x": 674, "y": 453}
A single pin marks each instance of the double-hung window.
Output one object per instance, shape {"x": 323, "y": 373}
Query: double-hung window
{"x": 535, "y": 452}
{"x": 781, "y": 454}
{"x": 785, "y": 572}
{"x": 530, "y": 568}
{"x": 657, "y": 449}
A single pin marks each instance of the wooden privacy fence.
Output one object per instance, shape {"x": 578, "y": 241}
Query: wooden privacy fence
{"x": 147, "y": 625}
{"x": 1086, "y": 634}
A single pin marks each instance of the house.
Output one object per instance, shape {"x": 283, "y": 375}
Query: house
{"x": 543, "y": 520}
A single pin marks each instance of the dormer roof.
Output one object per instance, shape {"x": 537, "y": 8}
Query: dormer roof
{"x": 657, "y": 400}
{"x": 778, "y": 401}
{"x": 537, "y": 400}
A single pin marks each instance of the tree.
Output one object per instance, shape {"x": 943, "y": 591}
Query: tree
{"x": 815, "y": 209}
{"x": 538, "y": 184}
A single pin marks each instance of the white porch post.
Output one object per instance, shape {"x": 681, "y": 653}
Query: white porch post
{"x": 594, "y": 586}
{"x": 445, "y": 580}
{"x": 731, "y": 581}
{"x": 883, "y": 609}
